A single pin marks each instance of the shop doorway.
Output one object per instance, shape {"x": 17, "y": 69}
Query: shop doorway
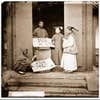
{"x": 52, "y": 13}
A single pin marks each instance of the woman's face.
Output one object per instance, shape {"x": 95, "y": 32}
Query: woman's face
{"x": 57, "y": 30}
{"x": 67, "y": 31}
{"x": 41, "y": 24}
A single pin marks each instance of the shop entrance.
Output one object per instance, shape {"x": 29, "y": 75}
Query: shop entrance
{"x": 51, "y": 13}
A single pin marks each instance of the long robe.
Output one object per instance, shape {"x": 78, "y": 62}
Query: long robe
{"x": 57, "y": 51}
{"x": 68, "y": 61}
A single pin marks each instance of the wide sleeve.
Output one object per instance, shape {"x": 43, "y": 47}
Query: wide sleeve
{"x": 68, "y": 42}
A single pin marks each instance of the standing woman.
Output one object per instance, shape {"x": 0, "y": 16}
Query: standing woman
{"x": 57, "y": 40}
{"x": 69, "y": 62}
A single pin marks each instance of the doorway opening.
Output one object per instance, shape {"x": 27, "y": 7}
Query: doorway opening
{"x": 51, "y": 13}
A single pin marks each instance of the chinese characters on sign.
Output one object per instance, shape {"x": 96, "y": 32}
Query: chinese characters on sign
{"x": 42, "y": 42}
{"x": 45, "y": 64}
{"x": 42, "y": 65}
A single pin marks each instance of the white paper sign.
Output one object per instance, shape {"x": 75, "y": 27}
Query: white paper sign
{"x": 26, "y": 93}
{"x": 42, "y": 42}
{"x": 42, "y": 65}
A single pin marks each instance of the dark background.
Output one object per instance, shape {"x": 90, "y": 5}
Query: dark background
{"x": 52, "y": 13}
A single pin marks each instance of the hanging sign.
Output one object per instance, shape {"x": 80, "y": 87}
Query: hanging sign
{"x": 42, "y": 42}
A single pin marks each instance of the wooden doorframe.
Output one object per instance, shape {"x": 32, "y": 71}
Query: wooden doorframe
{"x": 14, "y": 32}
{"x": 10, "y": 28}
{"x": 9, "y": 37}
{"x": 84, "y": 14}
{"x": 88, "y": 37}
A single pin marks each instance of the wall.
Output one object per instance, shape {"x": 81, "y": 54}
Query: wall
{"x": 23, "y": 27}
{"x": 73, "y": 17}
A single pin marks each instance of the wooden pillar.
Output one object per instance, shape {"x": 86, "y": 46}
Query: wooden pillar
{"x": 10, "y": 28}
{"x": 84, "y": 14}
{"x": 9, "y": 36}
{"x": 14, "y": 31}
{"x": 88, "y": 36}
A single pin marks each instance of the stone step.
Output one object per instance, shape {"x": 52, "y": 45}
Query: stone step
{"x": 71, "y": 95}
{"x": 49, "y": 82}
{"x": 20, "y": 94}
{"x": 54, "y": 75}
{"x": 53, "y": 84}
{"x": 55, "y": 91}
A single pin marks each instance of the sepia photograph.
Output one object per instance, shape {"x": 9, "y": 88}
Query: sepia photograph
{"x": 50, "y": 49}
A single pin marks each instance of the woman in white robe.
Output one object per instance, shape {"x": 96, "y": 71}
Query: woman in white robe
{"x": 69, "y": 62}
